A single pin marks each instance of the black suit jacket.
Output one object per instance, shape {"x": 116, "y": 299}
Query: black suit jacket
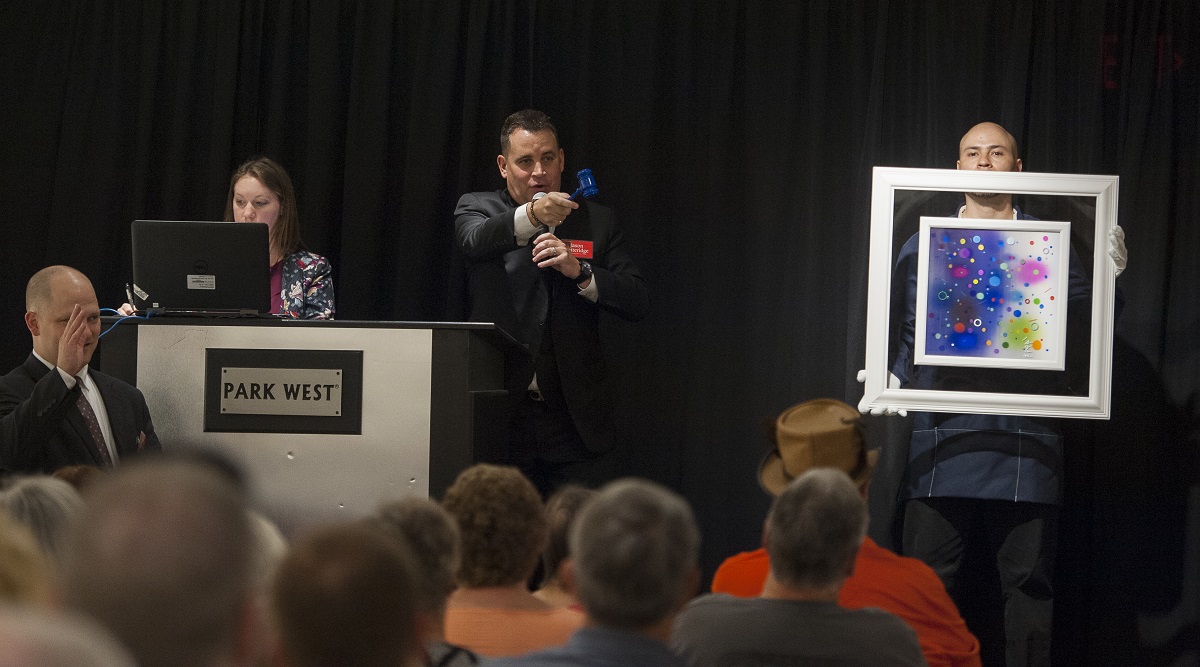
{"x": 565, "y": 347}
{"x": 41, "y": 430}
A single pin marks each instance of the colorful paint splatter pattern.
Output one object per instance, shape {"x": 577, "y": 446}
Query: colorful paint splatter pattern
{"x": 991, "y": 293}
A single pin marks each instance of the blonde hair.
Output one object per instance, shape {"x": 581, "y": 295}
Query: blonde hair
{"x": 25, "y": 575}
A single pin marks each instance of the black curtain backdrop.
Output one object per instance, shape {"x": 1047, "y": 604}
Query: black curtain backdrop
{"x": 734, "y": 139}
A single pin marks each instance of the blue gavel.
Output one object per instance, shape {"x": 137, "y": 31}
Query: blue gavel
{"x": 587, "y": 185}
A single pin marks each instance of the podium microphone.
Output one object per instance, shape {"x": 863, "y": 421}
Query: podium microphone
{"x": 587, "y": 185}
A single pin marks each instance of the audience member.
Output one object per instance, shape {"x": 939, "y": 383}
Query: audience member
{"x": 828, "y": 433}
{"x": 25, "y": 575}
{"x": 561, "y": 509}
{"x": 79, "y": 475}
{"x": 634, "y": 566}
{"x": 346, "y": 595}
{"x": 814, "y": 532}
{"x": 48, "y": 506}
{"x": 214, "y": 460}
{"x": 39, "y": 638}
{"x": 432, "y": 537}
{"x": 54, "y": 409}
{"x": 162, "y": 558}
{"x": 503, "y": 529}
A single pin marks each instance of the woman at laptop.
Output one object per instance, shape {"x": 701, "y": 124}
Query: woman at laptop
{"x": 301, "y": 282}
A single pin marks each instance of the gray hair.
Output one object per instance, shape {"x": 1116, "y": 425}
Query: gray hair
{"x": 48, "y": 506}
{"x": 35, "y": 638}
{"x": 25, "y": 575}
{"x": 162, "y": 557}
{"x": 634, "y": 547}
{"x": 815, "y": 529}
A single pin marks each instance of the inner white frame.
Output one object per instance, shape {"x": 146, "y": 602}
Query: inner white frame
{"x": 876, "y": 393}
{"x": 1055, "y": 359}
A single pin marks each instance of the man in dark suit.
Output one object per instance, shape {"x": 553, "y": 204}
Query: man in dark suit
{"x": 543, "y": 267}
{"x": 54, "y": 410}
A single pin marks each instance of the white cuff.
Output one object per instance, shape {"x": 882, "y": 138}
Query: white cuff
{"x": 67, "y": 377}
{"x": 591, "y": 292}
{"x": 523, "y": 228}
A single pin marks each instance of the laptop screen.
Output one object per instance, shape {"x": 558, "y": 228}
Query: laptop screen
{"x": 201, "y": 267}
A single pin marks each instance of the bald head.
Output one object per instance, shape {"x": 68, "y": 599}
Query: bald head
{"x": 46, "y": 283}
{"x": 50, "y": 298}
{"x": 988, "y": 146}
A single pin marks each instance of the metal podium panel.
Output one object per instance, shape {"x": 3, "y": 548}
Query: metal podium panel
{"x": 302, "y": 479}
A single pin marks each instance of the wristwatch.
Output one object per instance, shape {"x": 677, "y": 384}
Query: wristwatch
{"x": 585, "y": 272}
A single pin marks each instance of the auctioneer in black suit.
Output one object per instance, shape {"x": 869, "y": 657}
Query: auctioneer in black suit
{"x": 545, "y": 311}
{"x": 41, "y": 429}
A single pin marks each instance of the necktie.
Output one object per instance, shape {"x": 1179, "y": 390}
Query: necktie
{"x": 89, "y": 418}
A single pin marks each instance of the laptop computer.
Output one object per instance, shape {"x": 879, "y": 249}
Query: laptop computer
{"x": 201, "y": 268}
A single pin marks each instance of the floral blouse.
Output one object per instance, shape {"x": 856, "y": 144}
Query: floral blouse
{"x": 307, "y": 287}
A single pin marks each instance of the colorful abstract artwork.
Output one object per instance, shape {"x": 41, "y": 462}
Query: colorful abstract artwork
{"x": 992, "y": 293}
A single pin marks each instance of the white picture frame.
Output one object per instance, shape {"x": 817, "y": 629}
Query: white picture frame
{"x": 1095, "y": 403}
{"x": 992, "y": 293}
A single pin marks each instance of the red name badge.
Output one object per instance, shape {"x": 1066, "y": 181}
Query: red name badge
{"x": 579, "y": 249}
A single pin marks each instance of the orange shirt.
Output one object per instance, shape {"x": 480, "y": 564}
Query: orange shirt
{"x": 497, "y": 632}
{"x": 903, "y": 586}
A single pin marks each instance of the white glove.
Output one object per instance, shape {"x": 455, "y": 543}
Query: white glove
{"x": 1117, "y": 249}
{"x": 893, "y": 383}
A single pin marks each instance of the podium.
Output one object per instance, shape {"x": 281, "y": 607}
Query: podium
{"x": 328, "y": 418}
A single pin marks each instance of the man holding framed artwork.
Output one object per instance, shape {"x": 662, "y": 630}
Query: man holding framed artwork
{"x": 982, "y": 492}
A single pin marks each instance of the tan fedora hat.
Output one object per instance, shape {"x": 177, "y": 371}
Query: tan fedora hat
{"x": 824, "y": 433}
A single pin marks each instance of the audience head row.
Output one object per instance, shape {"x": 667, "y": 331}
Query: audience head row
{"x": 166, "y": 556}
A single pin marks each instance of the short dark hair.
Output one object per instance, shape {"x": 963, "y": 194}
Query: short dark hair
{"x": 561, "y": 510}
{"x": 432, "y": 535}
{"x": 79, "y": 475}
{"x": 345, "y": 595}
{"x": 530, "y": 120}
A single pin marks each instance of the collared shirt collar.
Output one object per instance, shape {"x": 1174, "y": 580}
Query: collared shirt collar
{"x": 1016, "y": 212}
{"x": 83, "y": 372}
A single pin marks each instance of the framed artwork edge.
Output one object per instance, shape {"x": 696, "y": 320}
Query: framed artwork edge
{"x": 877, "y": 395}
{"x": 1058, "y": 286}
